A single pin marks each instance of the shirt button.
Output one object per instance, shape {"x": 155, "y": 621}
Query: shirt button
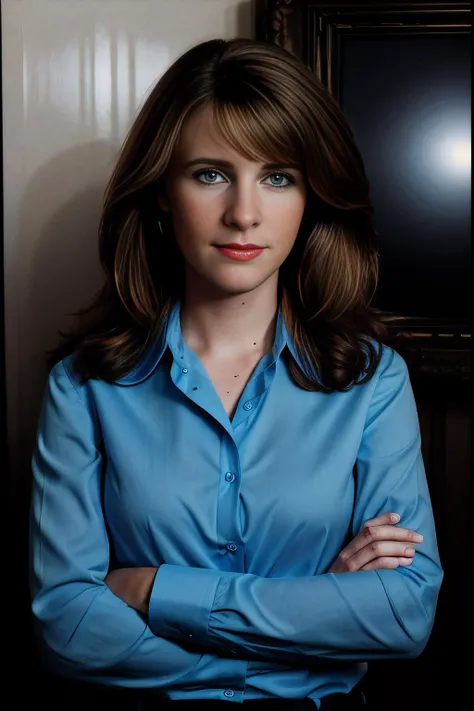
{"x": 232, "y": 547}
{"x": 248, "y": 406}
{"x": 229, "y": 693}
{"x": 230, "y": 476}
{"x": 185, "y": 370}
{"x": 233, "y": 651}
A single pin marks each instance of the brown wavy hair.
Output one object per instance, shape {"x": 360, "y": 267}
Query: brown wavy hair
{"x": 270, "y": 107}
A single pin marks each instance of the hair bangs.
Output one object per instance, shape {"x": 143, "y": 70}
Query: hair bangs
{"x": 256, "y": 132}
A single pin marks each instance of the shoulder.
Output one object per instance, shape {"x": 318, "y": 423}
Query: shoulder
{"x": 391, "y": 374}
{"x": 391, "y": 365}
{"x": 391, "y": 390}
{"x": 62, "y": 373}
{"x": 65, "y": 383}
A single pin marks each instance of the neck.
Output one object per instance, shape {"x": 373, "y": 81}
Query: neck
{"x": 228, "y": 326}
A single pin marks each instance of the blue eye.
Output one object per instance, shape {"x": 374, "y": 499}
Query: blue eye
{"x": 209, "y": 176}
{"x": 281, "y": 176}
{"x": 201, "y": 173}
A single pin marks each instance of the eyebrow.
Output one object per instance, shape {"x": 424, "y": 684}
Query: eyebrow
{"x": 227, "y": 164}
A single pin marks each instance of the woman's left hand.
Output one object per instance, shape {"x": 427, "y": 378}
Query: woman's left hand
{"x": 133, "y": 586}
{"x": 379, "y": 546}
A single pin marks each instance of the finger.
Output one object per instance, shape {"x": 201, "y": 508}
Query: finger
{"x": 390, "y": 533}
{"x": 372, "y": 534}
{"x": 387, "y": 518}
{"x": 387, "y": 563}
{"x": 379, "y": 549}
{"x": 406, "y": 561}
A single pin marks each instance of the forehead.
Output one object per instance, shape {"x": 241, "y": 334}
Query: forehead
{"x": 200, "y": 135}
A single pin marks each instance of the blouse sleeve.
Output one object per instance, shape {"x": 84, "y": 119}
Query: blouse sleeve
{"x": 346, "y": 616}
{"x": 84, "y": 630}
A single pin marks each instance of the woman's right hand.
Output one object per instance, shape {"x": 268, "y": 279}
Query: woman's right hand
{"x": 380, "y": 545}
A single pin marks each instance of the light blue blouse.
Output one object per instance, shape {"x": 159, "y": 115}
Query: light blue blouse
{"x": 245, "y": 518}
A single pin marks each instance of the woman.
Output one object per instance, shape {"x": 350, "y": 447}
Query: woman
{"x": 227, "y": 419}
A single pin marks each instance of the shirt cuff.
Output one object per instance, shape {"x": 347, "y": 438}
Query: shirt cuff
{"x": 181, "y": 602}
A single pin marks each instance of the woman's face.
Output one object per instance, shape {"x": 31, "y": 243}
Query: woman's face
{"x": 217, "y": 197}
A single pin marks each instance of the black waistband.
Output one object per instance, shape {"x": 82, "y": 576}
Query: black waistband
{"x": 355, "y": 701}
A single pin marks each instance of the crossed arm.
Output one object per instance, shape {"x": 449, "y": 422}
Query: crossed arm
{"x": 379, "y": 546}
{"x": 88, "y": 631}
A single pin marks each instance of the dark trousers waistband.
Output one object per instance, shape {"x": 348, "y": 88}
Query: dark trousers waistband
{"x": 355, "y": 701}
{"x": 251, "y": 705}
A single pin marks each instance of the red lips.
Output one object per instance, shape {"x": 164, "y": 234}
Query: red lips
{"x": 237, "y": 245}
{"x": 240, "y": 252}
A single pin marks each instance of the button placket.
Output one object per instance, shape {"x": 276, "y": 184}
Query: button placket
{"x": 228, "y": 529}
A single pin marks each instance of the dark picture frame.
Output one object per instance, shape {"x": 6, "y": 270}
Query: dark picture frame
{"x": 437, "y": 346}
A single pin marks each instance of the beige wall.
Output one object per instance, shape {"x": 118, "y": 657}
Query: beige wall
{"x": 74, "y": 75}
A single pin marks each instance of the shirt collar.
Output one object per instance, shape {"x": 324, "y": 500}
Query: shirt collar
{"x": 171, "y": 337}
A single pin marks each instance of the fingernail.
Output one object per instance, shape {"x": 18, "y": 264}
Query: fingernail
{"x": 405, "y": 561}
{"x": 394, "y": 518}
{"x": 418, "y": 537}
{"x": 409, "y": 551}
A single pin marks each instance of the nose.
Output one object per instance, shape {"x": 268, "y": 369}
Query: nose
{"x": 243, "y": 211}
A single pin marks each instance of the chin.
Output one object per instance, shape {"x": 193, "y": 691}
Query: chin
{"x": 229, "y": 280}
{"x": 237, "y": 285}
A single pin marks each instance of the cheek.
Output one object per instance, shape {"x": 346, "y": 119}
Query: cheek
{"x": 287, "y": 219}
{"x": 189, "y": 213}
{"x": 194, "y": 222}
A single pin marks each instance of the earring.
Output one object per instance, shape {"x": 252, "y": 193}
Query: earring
{"x": 160, "y": 228}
